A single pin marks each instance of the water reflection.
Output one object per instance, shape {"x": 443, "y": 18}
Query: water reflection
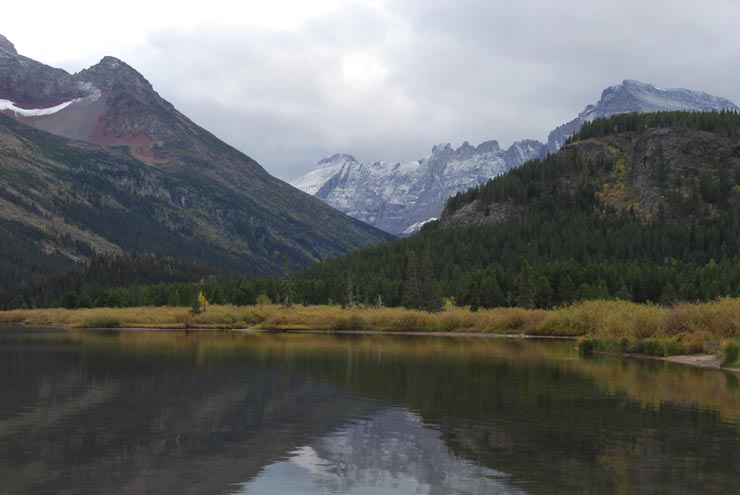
{"x": 199, "y": 412}
{"x": 392, "y": 452}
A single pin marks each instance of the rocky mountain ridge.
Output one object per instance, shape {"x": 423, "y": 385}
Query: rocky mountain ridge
{"x": 401, "y": 197}
{"x": 98, "y": 162}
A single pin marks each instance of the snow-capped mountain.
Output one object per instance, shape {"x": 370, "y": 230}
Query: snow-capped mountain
{"x": 400, "y": 197}
{"x": 637, "y": 97}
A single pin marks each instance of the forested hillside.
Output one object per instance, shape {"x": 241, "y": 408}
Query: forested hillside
{"x": 641, "y": 208}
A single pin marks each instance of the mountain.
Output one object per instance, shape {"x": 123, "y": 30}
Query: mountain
{"x": 641, "y": 207}
{"x": 637, "y": 97}
{"x": 98, "y": 162}
{"x": 399, "y": 198}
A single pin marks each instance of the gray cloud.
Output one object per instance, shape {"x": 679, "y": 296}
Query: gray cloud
{"x": 388, "y": 83}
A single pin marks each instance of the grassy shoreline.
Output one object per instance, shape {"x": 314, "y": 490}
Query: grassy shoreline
{"x": 601, "y": 326}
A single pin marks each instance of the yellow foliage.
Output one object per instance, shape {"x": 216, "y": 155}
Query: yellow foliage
{"x": 697, "y": 327}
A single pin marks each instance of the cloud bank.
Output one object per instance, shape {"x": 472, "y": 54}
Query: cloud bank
{"x": 385, "y": 80}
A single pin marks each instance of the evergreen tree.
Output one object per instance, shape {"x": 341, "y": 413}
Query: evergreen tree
{"x": 542, "y": 294}
{"x": 431, "y": 295}
{"x": 669, "y": 295}
{"x": 412, "y": 287}
{"x": 566, "y": 290}
{"x": 524, "y": 298}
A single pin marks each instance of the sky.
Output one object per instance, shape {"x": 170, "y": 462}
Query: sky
{"x": 289, "y": 82}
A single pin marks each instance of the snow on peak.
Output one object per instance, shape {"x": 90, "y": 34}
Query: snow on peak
{"x": 441, "y": 147}
{"x": 325, "y": 170}
{"x": 337, "y": 157}
{"x": 635, "y": 96}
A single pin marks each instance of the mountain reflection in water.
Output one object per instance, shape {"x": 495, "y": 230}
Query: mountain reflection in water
{"x": 121, "y": 412}
{"x": 392, "y": 452}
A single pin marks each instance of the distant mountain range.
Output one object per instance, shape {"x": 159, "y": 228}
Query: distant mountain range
{"x": 400, "y": 197}
{"x": 98, "y": 162}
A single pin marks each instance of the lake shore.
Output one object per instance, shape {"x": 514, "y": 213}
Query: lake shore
{"x": 620, "y": 327}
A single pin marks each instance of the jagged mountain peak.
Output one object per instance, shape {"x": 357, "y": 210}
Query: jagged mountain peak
{"x": 441, "y": 146}
{"x": 112, "y": 73}
{"x": 337, "y": 157}
{"x": 489, "y": 146}
{"x": 6, "y": 46}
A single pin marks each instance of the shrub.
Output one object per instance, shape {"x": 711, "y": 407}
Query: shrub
{"x": 651, "y": 347}
{"x": 587, "y": 346}
{"x": 730, "y": 354}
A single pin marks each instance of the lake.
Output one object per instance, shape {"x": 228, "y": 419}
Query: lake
{"x": 176, "y": 412}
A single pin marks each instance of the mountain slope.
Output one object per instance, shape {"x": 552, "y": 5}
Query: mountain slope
{"x": 399, "y": 197}
{"x": 140, "y": 177}
{"x": 640, "y": 207}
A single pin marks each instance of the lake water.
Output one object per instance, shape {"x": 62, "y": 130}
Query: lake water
{"x": 115, "y": 412}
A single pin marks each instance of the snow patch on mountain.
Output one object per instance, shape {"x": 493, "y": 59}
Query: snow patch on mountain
{"x": 414, "y": 227}
{"x": 7, "y": 105}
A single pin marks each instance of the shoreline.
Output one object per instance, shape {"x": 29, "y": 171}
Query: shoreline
{"x": 702, "y": 361}
{"x": 675, "y": 334}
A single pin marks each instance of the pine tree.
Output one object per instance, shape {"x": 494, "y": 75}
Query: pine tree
{"x": 412, "y": 287}
{"x": 431, "y": 295}
{"x": 542, "y": 294}
{"x": 524, "y": 298}
{"x": 566, "y": 290}
{"x": 669, "y": 295}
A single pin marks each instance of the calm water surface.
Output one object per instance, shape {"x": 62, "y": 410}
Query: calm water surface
{"x": 109, "y": 412}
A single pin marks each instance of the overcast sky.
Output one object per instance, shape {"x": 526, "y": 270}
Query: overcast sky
{"x": 289, "y": 82}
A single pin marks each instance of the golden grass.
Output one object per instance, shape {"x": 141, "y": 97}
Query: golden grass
{"x": 617, "y": 325}
{"x": 500, "y": 320}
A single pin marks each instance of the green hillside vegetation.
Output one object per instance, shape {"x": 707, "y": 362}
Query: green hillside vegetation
{"x": 63, "y": 201}
{"x": 641, "y": 208}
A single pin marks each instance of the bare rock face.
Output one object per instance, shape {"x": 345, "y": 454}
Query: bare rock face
{"x": 112, "y": 74}
{"x": 30, "y": 84}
